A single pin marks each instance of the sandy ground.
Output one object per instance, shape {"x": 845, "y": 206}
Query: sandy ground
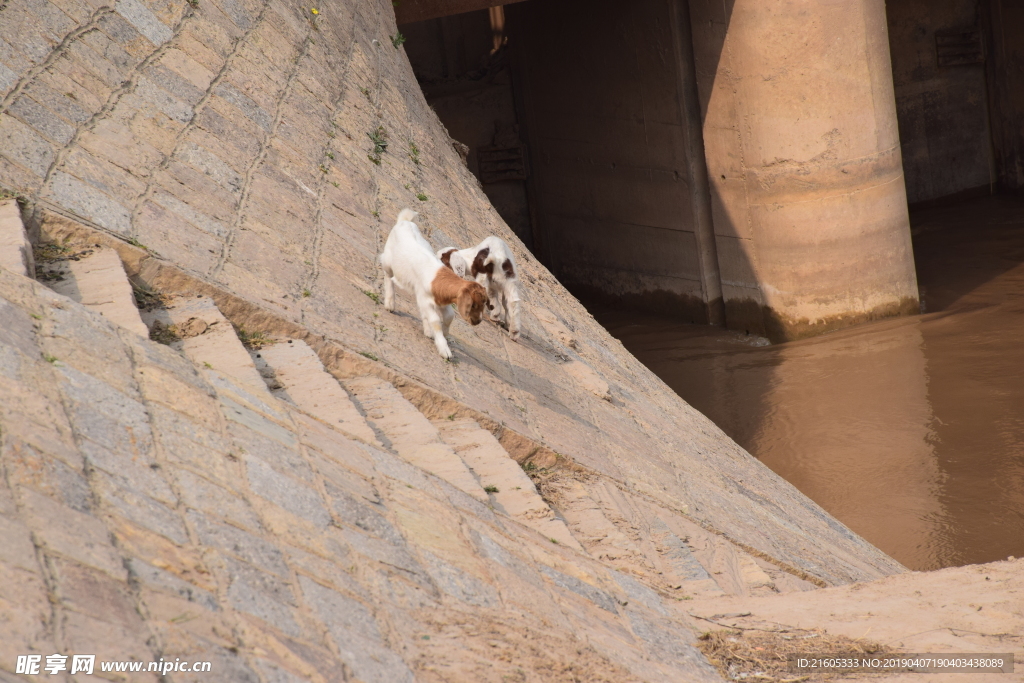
{"x": 972, "y": 609}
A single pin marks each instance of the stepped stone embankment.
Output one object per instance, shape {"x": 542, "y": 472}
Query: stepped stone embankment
{"x": 233, "y": 140}
{"x": 151, "y": 508}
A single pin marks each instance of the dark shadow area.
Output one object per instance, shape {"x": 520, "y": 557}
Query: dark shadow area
{"x": 573, "y": 116}
{"x": 960, "y": 248}
{"x": 960, "y": 97}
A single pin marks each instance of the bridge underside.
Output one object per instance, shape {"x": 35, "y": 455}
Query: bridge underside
{"x": 752, "y": 166}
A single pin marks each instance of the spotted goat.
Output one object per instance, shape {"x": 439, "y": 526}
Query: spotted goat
{"x": 492, "y": 265}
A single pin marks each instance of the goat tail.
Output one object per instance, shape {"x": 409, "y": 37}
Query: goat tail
{"x": 407, "y": 215}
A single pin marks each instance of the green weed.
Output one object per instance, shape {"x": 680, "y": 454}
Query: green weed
{"x": 253, "y": 340}
{"x": 379, "y": 138}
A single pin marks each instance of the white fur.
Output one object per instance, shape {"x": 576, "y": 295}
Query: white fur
{"x": 503, "y": 294}
{"x": 410, "y": 263}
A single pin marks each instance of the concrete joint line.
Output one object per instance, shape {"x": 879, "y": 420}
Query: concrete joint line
{"x": 140, "y": 201}
{"x": 318, "y": 227}
{"x": 257, "y": 162}
{"x": 112, "y": 101}
{"x": 55, "y": 54}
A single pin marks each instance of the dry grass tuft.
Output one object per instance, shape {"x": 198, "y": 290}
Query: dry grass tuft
{"x": 763, "y": 656}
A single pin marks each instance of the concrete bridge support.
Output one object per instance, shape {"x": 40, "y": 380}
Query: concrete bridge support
{"x": 803, "y": 154}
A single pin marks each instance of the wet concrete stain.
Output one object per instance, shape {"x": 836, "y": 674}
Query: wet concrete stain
{"x": 911, "y": 430}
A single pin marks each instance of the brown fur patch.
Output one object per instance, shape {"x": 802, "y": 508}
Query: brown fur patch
{"x": 446, "y": 286}
{"x": 469, "y": 297}
{"x": 478, "y": 263}
{"x": 509, "y": 270}
{"x": 446, "y": 257}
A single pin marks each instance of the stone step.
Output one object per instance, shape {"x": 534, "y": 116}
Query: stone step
{"x": 295, "y": 374}
{"x": 97, "y": 281}
{"x": 405, "y": 430}
{"x": 197, "y": 328}
{"x": 15, "y": 249}
{"x": 510, "y": 489}
{"x": 632, "y": 540}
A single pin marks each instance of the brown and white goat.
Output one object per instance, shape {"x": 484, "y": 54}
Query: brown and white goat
{"x": 409, "y": 262}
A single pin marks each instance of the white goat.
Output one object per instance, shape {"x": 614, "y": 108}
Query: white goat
{"x": 492, "y": 265}
{"x": 409, "y": 262}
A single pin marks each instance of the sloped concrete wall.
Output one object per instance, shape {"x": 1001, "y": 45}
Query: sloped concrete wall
{"x": 152, "y": 513}
{"x": 233, "y": 139}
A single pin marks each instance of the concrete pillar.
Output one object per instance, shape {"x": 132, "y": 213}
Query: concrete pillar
{"x": 803, "y": 155}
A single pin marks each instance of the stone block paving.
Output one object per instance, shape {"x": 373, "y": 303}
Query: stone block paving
{"x": 150, "y": 509}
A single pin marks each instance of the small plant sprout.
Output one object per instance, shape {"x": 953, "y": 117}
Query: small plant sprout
{"x": 491, "y": 489}
{"x": 367, "y": 354}
{"x": 407, "y": 186}
{"x": 323, "y": 169}
{"x": 306, "y": 293}
{"x": 414, "y": 153}
{"x": 375, "y": 214}
{"x": 379, "y": 138}
{"x": 397, "y": 40}
{"x": 207, "y": 365}
{"x": 331, "y": 134}
{"x": 335, "y": 183}
{"x": 330, "y": 154}
{"x": 553, "y": 540}
{"x": 420, "y": 196}
{"x": 52, "y": 360}
{"x": 365, "y": 91}
{"x": 136, "y": 243}
{"x": 374, "y": 297}
{"x": 36, "y": 316}
{"x": 194, "y": 3}
{"x": 452, "y": 417}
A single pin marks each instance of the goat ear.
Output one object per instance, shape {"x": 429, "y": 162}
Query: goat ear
{"x": 464, "y": 304}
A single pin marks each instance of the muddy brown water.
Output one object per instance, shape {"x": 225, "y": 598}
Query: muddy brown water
{"x": 910, "y": 431}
